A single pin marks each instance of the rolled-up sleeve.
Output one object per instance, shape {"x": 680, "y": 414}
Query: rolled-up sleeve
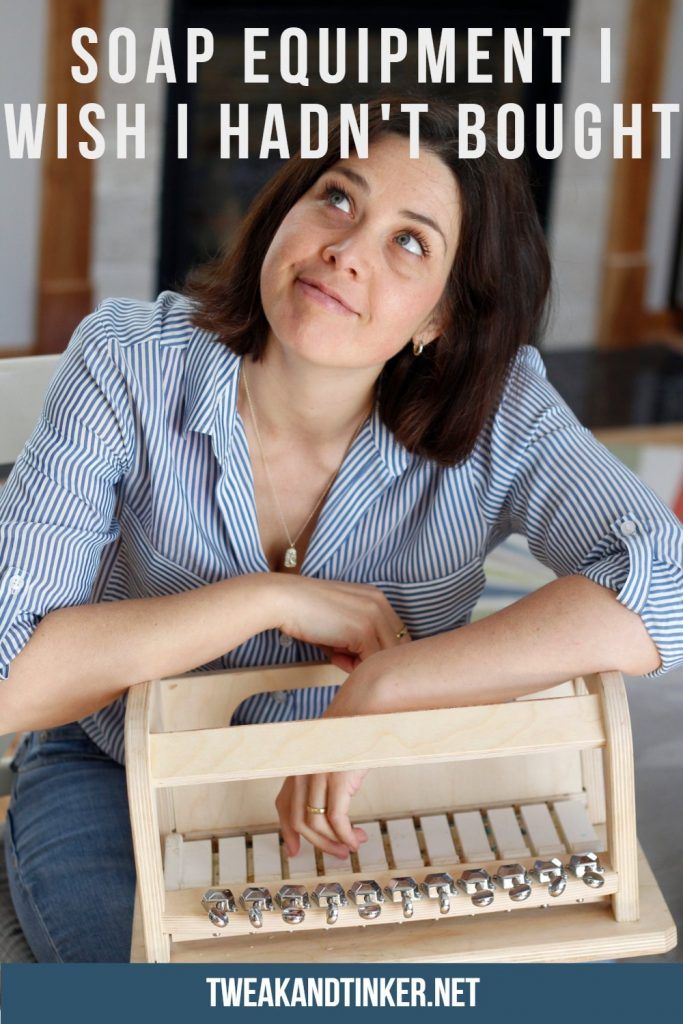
{"x": 57, "y": 506}
{"x": 583, "y": 511}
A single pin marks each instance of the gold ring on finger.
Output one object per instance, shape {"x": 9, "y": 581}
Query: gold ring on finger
{"x": 402, "y": 632}
{"x": 316, "y": 810}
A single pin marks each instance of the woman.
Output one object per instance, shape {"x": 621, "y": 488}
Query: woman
{"x": 310, "y": 451}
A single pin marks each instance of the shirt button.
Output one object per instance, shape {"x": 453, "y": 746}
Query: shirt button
{"x": 628, "y": 528}
{"x": 15, "y": 584}
{"x": 285, "y": 640}
{"x": 280, "y": 696}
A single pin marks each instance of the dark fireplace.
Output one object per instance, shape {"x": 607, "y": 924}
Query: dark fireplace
{"x": 204, "y": 196}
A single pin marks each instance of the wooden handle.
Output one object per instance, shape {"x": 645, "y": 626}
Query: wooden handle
{"x": 372, "y": 741}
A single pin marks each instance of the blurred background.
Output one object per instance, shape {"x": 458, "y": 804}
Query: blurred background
{"x": 75, "y": 231}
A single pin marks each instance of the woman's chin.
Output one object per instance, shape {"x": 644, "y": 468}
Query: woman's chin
{"x": 319, "y": 347}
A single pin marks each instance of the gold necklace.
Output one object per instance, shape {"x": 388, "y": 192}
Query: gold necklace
{"x": 291, "y": 557}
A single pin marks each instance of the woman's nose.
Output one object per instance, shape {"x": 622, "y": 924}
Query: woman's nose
{"x": 348, "y": 253}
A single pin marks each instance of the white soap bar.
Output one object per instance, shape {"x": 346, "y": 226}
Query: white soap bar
{"x": 371, "y": 855}
{"x": 303, "y": 864}
{"x": 197, "y": 867}
{"x": 404, "y": 845}
{"x": 337, "y": 865}
{"x": 472, "y": 835}
{"x": 541, "y": 830}
{"x": 578, "y": 831}
{"x": 266, "y": 856}
{"x": 438, "y": 840}
{"x": 232, "y": 859}
{"x": 507, "y": 833}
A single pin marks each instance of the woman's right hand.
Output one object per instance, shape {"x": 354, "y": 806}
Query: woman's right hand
{"x": 349, "y": 621}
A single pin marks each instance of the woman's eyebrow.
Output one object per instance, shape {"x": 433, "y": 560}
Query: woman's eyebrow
{"x": 362, "y": 182}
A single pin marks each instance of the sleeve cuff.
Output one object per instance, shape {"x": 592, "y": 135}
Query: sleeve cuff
{"x": 13, "y": 641}
{"x": 17, "y": 624}
{"x": 641, "y": 561}
{"x": 623, "y": 561}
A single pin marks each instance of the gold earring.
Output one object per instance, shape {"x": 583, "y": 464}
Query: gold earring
{"x": 418, "y": 348}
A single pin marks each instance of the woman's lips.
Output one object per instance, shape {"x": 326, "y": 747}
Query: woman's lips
{"x": 323, "y": 299}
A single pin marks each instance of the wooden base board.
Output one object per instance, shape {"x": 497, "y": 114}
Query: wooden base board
{"x": 556, "y": 935}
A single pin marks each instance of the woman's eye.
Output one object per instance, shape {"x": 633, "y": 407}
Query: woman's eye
{"x": 332, "y": 191}
{"x": 419, "y": 249}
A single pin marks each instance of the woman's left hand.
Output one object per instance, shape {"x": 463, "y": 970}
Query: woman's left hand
{"x": 332, "y": 831}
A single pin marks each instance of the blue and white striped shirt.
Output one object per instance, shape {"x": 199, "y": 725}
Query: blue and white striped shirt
{"x": 136, "y": 482}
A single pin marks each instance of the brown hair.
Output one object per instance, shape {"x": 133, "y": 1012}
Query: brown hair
{"x": 436, "y": 404}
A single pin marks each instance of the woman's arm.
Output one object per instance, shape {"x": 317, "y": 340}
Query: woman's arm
{"x": 584, "y": 513}
{"x": 567, "y": 628}
{"x": 79, "y": 659}
{"x": 617, "y": 604}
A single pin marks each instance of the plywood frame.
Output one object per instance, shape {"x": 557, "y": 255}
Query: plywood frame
{"x": 565, "y": 724}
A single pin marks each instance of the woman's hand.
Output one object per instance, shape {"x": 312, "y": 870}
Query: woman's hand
{"x": 349, "y": 621}
{"x": 332, "y": 831}
{"x": 353, "y": 623}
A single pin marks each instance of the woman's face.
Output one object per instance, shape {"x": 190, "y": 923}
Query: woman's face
{"x": 368, "y": 241}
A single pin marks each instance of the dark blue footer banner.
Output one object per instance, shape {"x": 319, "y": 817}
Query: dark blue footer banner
{"x": 194, "y": 993}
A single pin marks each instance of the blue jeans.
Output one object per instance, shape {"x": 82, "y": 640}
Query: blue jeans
{"x": 69, "y": 849}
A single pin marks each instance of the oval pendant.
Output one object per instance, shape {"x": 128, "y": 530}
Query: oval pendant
{"x": 290, "y": 558}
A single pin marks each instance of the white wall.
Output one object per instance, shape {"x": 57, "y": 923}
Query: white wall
{"x": 127, "y": 193}
{"x": 22, "y": 59}
{"x": 581, "y": 192}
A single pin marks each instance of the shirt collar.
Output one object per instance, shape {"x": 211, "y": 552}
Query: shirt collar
{"x": 392, "y": 453}
{"x": 210, "y": 388}
{"x": 210, "y": 401}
